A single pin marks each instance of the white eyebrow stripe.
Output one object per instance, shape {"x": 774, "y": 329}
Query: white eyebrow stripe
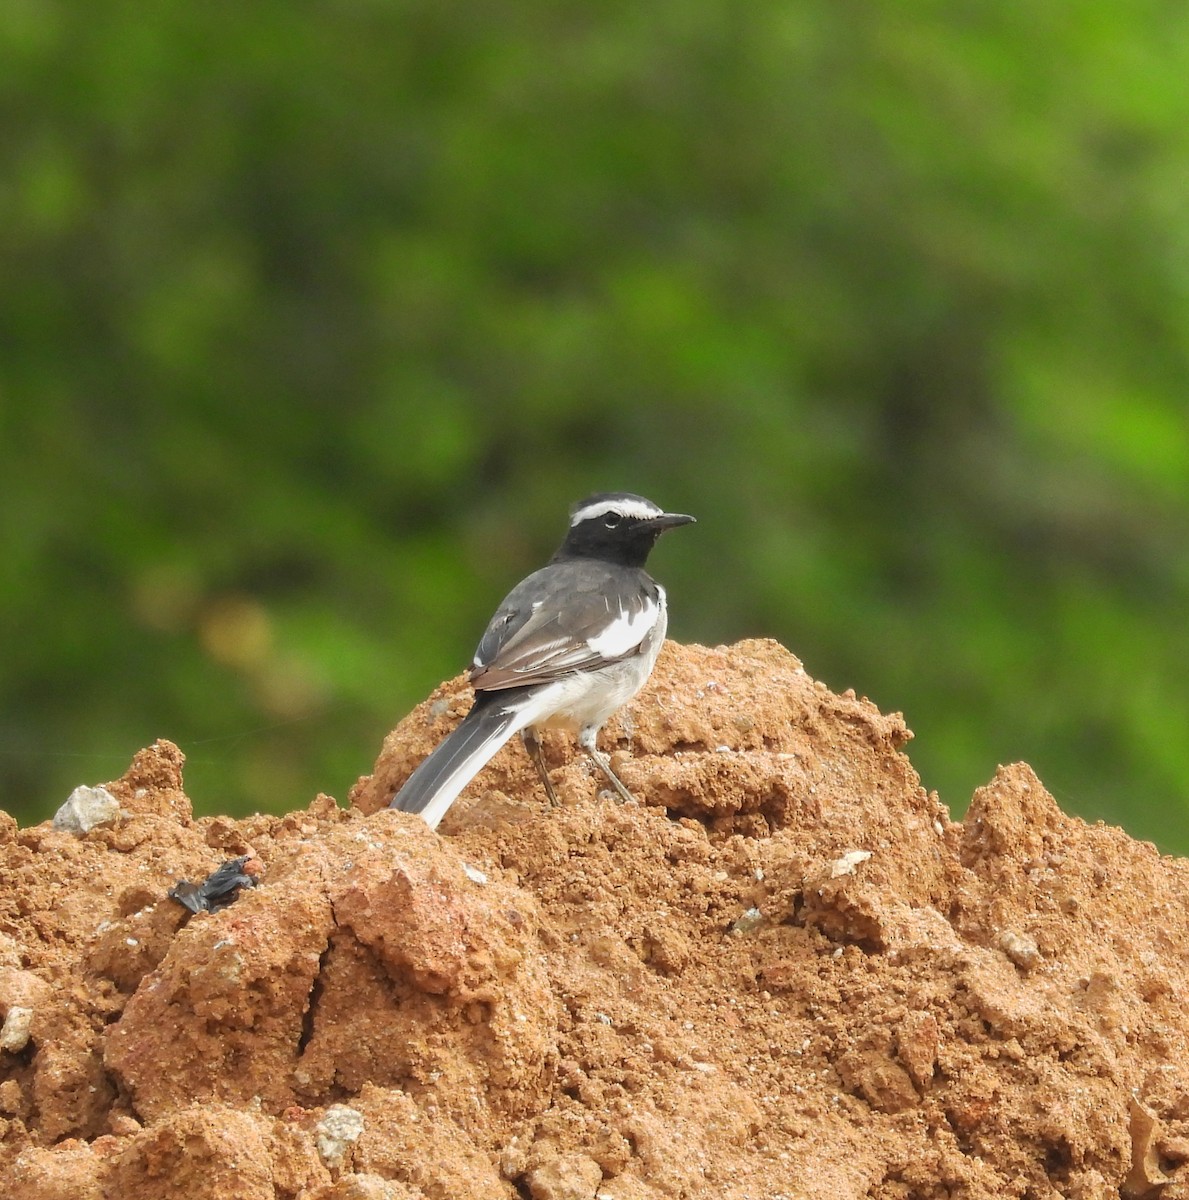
{"x": 625, "y": 633}
{"x": 641, "y": 510}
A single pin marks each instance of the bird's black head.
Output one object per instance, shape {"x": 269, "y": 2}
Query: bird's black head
{"x": 617, "y": 527}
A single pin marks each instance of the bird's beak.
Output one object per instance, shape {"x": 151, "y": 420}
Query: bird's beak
{"x": 670, "y": 521}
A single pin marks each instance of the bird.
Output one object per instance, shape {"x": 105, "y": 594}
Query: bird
{"x": 568, "y": 646}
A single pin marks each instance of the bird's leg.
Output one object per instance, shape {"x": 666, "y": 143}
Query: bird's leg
{"x": 586, "y": 739}
{"x": 532, "y": 744}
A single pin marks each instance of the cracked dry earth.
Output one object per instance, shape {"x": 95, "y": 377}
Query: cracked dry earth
{"x": 784, "y": 973}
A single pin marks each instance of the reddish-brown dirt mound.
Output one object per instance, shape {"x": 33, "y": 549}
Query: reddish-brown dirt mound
{"x": 785, "y": 973}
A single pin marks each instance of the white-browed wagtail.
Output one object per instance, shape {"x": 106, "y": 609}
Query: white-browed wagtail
{"x": 568, "y": 646}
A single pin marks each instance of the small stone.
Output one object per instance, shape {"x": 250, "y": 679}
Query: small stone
{"x": 123, "y": 1125}
{"x": 1020, "y": 948}
{"x": 917, "y": 1044}
{"x": 14, "y": 1034}
{"x": 569, "y": 1177}
{"x": 514, "y": 1159}
{"x": 10, "y": 952}
{"x": 338, "y": 1130}
{"x": 86, "y": 808}
{"x": 360, "y": 1187}
{"x": 847, "y": 863}
{"x": 10, "y": 1097}
{"x": 751, "y": 920}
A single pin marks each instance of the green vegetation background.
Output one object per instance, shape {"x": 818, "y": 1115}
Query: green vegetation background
{"x": 314, "y": 318}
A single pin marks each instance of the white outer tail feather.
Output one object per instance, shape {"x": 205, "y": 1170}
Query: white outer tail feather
{"x": 449, "y": 786}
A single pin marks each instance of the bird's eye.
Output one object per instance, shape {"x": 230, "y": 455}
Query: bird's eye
{"x": 612, "y": 519}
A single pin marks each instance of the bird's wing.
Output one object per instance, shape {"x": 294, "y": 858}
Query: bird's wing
{"x": 565, "y": 618}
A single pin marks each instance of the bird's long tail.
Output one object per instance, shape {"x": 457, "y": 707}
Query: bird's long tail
{"x": 438, "y": 780}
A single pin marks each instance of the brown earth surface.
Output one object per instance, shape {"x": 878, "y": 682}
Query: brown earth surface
{"x": 784, "y": 973}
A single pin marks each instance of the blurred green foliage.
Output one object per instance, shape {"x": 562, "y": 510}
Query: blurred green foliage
{"x": 314, "y": 318}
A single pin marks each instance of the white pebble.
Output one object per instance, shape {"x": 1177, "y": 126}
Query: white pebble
{"x": 339, "y": 1129}
{"x": 847, "y": 863}
{"x": 14, "y": 1035}
{"x": 85, "y": 808}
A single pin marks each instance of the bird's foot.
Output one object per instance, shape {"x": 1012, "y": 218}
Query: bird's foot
{"x": 604, "y": 764}
{"x": 532, "y": 744}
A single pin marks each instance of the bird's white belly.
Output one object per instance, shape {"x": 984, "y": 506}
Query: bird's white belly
{"x": 587, "y": 699}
